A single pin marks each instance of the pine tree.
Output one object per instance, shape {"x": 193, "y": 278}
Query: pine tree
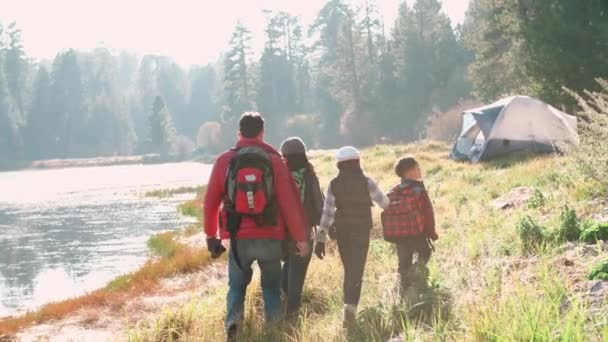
{"x": 37, "y": 135}
{"x": 16, "y": 68}
{"x": 203, "y": 104}
{"x": 277, "y": 93}
{"x": 492, "y": 31}
{"x": 9, "y": 127}
{"x": 326, "y": 28}
{"x": 427, "y": 60}
{"x": 237, "y": 78}
{"x": 161, "y": 130}
{"x": 68, "y": 113}
{"x": 566, "y": 44}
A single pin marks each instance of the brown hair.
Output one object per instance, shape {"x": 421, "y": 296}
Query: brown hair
{"x": 405, "y": 164}
{"x": 251, "y": 124}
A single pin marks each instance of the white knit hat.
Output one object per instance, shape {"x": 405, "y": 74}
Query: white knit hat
{"x": 347, "y": 153}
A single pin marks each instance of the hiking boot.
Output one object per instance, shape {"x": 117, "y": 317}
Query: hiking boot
{"x": 350, "y": 315}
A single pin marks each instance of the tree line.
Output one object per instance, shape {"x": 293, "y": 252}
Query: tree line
{"x": 346, "y": 78}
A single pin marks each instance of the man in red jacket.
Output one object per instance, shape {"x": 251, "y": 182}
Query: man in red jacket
{"x": 255, "y": 240}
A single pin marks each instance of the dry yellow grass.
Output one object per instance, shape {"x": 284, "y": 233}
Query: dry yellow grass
{"x": 485, "y": 288}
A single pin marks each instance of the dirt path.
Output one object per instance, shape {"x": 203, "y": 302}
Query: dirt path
{"x": 109, "y": 323}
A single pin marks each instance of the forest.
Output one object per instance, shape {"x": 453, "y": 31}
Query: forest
{"x": 344, "y": 79}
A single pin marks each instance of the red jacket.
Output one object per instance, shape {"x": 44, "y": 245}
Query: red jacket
{"x": 291, "y": 212}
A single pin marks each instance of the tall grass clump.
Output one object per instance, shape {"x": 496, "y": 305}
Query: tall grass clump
{"x": 531, "y": 234}
{"x": 531, "y": 312}
{"x": 569, "y": 227}
{"x": 163, "y": 244}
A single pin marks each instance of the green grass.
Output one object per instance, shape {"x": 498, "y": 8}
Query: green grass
{"x": 490, "y": 280}
{"x": 163, "y": 244}
{"x": 163, "y": 193}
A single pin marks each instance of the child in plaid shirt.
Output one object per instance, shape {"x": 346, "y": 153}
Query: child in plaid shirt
{"x": 409, "y": 222}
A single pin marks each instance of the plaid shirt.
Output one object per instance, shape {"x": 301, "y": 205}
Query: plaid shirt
{"x": 329, "y": 208}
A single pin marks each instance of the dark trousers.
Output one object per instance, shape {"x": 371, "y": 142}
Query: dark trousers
{"x": 294, "y": 274}
{"x": 353, "y": 246}
{"x": 406, "y": 248}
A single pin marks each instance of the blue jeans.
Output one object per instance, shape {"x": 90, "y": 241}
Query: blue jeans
{"x": 267, "y": 253}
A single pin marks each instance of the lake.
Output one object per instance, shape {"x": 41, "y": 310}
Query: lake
{"x": 64, "y": 232}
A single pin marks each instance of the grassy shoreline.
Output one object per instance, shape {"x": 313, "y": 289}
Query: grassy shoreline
{"x": 169, "y": 258}
{"x": 487, "y": 283}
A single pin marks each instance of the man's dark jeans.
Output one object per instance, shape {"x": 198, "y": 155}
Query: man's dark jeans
{"x": 353, "y": 246}
{"x": 406, "y": 247}
{"x": 294, "y": 274}
{"x": 267, "y": 253}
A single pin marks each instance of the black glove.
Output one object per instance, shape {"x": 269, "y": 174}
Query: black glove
{"x": 320, "y": 250}
{"x": 215, "y": 248}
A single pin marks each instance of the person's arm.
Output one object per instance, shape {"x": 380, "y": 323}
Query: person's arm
{"x": 317, "y": 198}
{"x": 376, "y": 194}
{"x": 290, "y": 205}
{"x": 327, "y": 218}
{"x": 429, "y": 215}
{"x": 213, "y": 199}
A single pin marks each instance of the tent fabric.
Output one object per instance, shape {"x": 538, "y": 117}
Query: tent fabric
{"x": 517, "y": 123}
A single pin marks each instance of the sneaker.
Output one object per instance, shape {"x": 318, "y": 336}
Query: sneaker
{"x": 232, "y": 331}
{"x": 350, "y": 316}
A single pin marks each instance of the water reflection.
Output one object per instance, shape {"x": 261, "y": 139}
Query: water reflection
{"x": 85, "y": 227}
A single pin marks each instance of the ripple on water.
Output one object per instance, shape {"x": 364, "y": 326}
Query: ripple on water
{"x": 78, "y": 228}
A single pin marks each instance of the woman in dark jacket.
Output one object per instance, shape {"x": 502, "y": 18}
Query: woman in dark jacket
{"x": 295, "y": 266}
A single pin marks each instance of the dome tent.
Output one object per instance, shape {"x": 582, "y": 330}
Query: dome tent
{"x": 518, "y": 123}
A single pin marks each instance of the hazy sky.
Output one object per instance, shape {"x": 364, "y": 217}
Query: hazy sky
{"x": 189, "y": 31}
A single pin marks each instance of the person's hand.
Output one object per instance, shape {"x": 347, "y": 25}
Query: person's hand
{"x": 433, "y": 236}
{"x": 320, "y": 250}
{"x": 215, "y": 247}
{"x": 302, "y": 247}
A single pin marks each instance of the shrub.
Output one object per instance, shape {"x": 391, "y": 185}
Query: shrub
{"x": 530, "y": 233}
{"x": 182, "y": 147}
{"x": 591, "y": 233}
{"x": 192, "y": 208}
{"x": 592, "y": 153}
{"x": 446, "y": 126}
{"x": 163, "y": 244}
{"x": 210, "y": 136}
{"x": 537, "y": 200}
{"x": 304, "y": 126}
{"x": 569, "y": 228}
{"x": 600, "y": 271}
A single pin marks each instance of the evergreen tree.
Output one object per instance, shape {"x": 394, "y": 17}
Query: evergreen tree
{"x": 277, "y": 90}
{"x": 68, "y": 114}
{"x": 237, "y": 78}
{"x": 9, "y": 127}
{"x": 161, "y": 130}
{"x": 15, "y": 68}
{"x": 566, "y": 45}
{"x": 37, "y": 135}
{"x": 108, "y": 122}
{"x": 203, "y": 104}
{"x": 173, "y": 87}
{"x": 427, "y": 58}
{"x": 492, "y": 31}
{"x": 326, "y": 29}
